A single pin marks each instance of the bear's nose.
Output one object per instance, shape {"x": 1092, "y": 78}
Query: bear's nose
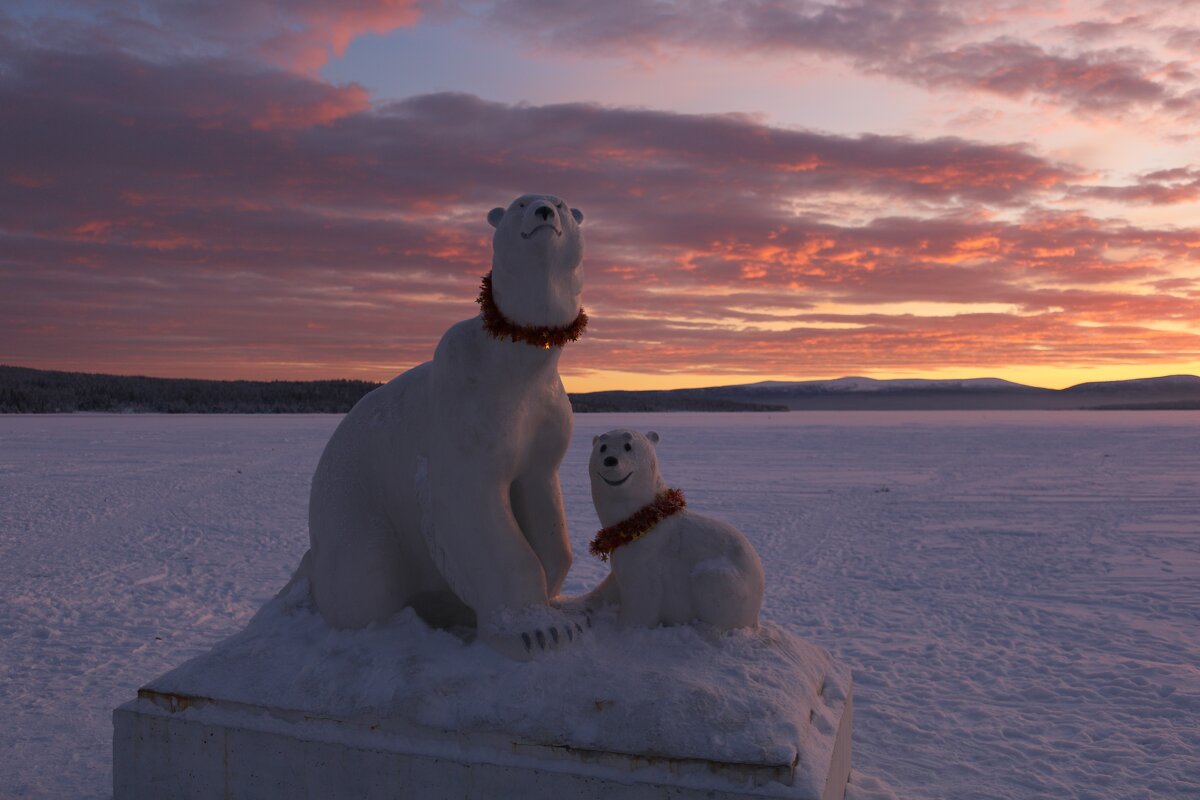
{"x": 545, "y": 212}
{"x": 611, "y": 461}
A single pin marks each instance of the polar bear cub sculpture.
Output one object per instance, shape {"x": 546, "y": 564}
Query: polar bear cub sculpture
{"x": 686, "y": 567}
{"x": 439, "y": 490}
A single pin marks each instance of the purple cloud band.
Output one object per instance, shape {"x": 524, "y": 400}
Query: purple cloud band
{"x": 209, "y": 216}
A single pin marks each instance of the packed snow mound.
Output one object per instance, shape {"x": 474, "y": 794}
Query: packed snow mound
{"x": 756, "y": 697}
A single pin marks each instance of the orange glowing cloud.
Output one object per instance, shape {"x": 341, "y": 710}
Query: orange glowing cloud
{"x": 298, "y": 35}
{"x": 233, "y": 219}
{"x": 321, "y": 29}
{"x": 346, "y": 101}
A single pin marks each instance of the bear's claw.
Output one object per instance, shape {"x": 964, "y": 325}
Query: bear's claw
{"x": 524, "y": 645}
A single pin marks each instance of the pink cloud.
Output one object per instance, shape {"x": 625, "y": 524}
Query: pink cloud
{"x": 634, "y": 26}
{"x": 1094, "y": 81}
{"x": 1161, "y": 187}
{"x": 297, "y": 35}
{"x": 181, "y": 234}
{"x": 933, "y": 43}
{"x": 321, "y": 29}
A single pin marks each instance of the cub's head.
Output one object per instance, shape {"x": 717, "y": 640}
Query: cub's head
{"x": 624, "y": 473}
{"x": 536, "y": 254}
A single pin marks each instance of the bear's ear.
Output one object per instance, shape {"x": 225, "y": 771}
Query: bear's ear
{"x": 594, "y": 440}
{"x": 577, "y": 214}
{"x": 494, "y": 217}
{"x": 652, "y": 436}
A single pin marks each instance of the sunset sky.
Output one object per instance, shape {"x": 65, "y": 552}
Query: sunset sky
{"x": 772, "y": 190}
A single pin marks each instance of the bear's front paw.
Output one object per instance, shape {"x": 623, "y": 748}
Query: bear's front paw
{"x": 523, "y": 636}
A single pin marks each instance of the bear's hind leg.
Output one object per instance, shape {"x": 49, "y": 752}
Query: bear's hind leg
{"x": 724, "y": 596}
{"x": 359, "y": 572}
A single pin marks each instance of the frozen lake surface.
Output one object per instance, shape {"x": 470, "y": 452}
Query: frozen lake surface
{"x": 1018, "y": 593}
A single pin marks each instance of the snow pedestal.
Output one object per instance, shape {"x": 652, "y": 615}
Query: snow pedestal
{"x": 291, "y": 708}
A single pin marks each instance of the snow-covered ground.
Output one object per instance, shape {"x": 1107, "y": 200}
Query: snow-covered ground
{"x": 1018, "y": 593}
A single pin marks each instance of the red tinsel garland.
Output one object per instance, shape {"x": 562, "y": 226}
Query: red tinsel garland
{"x": 638, "y": 524}
{"x": 502, "y": 327}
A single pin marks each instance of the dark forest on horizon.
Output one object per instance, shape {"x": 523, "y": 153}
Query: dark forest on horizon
{"x": 32, "y": 391}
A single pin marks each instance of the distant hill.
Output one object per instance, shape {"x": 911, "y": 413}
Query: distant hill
{"x": 25, "y": 390}
{"x": 663, "y": 401}
{"x": 869, "y": 394}
{"x": 1169, "y": 392}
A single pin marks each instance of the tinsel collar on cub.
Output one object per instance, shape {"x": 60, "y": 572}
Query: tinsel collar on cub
{"x": 638, "y": 524}
{"x": 546, "y": 336}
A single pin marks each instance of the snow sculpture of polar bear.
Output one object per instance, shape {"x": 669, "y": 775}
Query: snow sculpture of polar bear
{"x": 439, "y": 490}
{"x": 670, "y": 566}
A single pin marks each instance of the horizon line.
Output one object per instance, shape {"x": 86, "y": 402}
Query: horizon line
{"x": 593, "y": 391}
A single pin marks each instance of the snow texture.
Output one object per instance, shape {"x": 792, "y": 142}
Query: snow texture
{"x": 1018, "y": 593}
{"x": 758, "y": 697}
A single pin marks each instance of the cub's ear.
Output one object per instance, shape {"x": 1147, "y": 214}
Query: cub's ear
{"x": 652, "y": 436}
{"x": 494, "y": 217}
{"x": 594, "y": 440}
{"x": 577, "y": 214}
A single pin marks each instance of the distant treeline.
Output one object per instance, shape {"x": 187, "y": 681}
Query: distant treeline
{"x": 35, "y": 391}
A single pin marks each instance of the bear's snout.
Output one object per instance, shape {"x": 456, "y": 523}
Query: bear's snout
{"x": 544, "y": 213}
{"x": 611, "y": 461}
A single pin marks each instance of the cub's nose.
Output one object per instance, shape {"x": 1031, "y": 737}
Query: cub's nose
{"x": 544, "y": 213}
{"x": 611, "y": 461}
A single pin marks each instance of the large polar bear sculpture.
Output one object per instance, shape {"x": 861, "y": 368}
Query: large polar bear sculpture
{"x": 439, "y": 490}
{"x": 670, "y": 566}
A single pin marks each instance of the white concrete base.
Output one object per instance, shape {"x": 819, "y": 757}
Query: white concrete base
{"x": 289, "y": 708}
{"x": 174, "y": 747}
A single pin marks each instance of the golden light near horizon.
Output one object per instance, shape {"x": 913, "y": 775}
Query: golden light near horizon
{"x": 1042, "y": 377}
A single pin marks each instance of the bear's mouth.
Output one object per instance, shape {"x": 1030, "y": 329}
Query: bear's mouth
{"x": 557, "y": 232}
{"x": 614, "y": 483}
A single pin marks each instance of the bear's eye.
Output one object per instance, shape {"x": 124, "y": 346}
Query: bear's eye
{"x": 603, "y": 448}
{"x": 628, "y": 447}
{"x": 522, "y": 205}
{"x": 559, "y": 205}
